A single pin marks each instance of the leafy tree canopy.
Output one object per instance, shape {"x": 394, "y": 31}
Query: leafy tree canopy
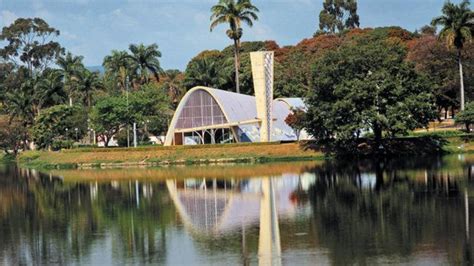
{"x": 60, "y": 122}
{"x": 30, "y": 42}
{"x": 466, "y": 117}
{"x": 338, "y": 15}
{"x": 149, "y": 105}
{"x": 367, "y": 86}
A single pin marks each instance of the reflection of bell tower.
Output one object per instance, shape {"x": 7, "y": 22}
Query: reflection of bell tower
{"x": 262, "y": 72}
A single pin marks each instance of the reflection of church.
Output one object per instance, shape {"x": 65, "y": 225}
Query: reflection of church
{"x": 219, "y": 206}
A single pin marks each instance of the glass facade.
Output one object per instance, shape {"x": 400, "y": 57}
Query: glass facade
{"x": 200, "y": 110}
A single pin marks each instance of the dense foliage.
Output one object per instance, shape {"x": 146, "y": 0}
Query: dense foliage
{"x": 466, "y": 117}
{"x": 388, "y": 79}
{"x": 58, "y": 124}
{"x": 365, "y": 87}
{"x": 338, "y": 15}
{"x": 114, "y": 113}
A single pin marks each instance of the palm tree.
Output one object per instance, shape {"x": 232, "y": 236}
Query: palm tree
{"x": 70, "y": 66}
{"x": 233, "y": 13}
{"x": 49, "y": 90}
{"x": 88, "y": 82}
{"x": 458, "y": 25}
{"x": 173, "y": 84}
{"x": 146, "y": 59}
{"x": 119, "y": 66}
{"x": 204, "y": 72}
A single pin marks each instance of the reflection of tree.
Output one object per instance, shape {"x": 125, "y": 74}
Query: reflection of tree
{"x": 395, "y": 217}
{"x": 58, "y": 222}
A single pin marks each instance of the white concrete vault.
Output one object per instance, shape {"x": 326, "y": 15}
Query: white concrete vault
{"x": 207, "y": 116}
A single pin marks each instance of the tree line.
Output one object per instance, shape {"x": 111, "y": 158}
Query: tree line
{"x": 389, "y": 79}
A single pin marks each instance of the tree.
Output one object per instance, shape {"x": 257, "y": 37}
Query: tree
{"x": 59, "y": 123}
{"x": 88, "y": 82}
{"x": 172, "y": 82}
{"x": 296, "y": 121}
{"x": 150, "y": 107}
{"x": 338, "y": 15}
{"x": 457, "y": 24}
{"x": 367, "y": 86}
{"x": 118, "y": 66}
{"x": 234, "y": 13}
{"x": 49, "y": 90}
{"x": 30, "y": 42}
{"x": 466, "y": 116}
{"x": 432, "y": 58}
{"x": 146, "y": 59}
{"x": 112, "y": 114}
{"x": 108, "y": 116}
{"x": 11, "y": 136}
{"x": 204, "y": 72}
{"x": 71, "y": 66}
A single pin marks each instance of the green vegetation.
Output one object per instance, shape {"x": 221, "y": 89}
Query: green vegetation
{"x": 58, "y": 124}
{"x": 360, "y": 85}
{"x": 338, "y": 15}
{"x": 457, "y": 27}
{"x": 370, "y": 81}
{"x": 149, "y": 155}
{"x": 234, "y": 13}
{"x": 466, "y": 117}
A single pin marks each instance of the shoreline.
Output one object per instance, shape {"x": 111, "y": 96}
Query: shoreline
{"x": 221, "y": 154}
{"x": 88, "y": 158}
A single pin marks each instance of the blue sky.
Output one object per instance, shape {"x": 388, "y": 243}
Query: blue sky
{"x": 93, "y": 28}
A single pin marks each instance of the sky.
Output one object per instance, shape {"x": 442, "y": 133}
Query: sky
{"x": 93, "y": 28}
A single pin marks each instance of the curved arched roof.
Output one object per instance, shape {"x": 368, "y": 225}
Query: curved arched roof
{"x": 238, "y": 108}
{"x": 293, "y": 102}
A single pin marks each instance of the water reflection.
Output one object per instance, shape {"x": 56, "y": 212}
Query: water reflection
{"x": 368, "y": 212}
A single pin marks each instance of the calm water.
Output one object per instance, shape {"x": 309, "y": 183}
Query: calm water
{"x": 412, "y": 211}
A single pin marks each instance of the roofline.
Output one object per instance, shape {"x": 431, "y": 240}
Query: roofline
{"x": 179, "y": 109}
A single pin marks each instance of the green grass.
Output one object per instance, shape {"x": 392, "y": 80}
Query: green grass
{"x": 153, "y": 155}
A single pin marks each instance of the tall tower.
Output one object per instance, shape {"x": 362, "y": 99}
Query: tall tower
{"x": 262, "y": 72}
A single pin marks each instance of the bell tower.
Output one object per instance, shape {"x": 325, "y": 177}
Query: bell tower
{"x": 262, "y": 72}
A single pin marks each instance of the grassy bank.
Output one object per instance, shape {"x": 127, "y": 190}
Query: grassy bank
{"x": 419, "y": 144}
{"x": 150, "y": 156}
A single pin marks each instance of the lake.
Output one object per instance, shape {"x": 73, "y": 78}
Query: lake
{"x": 404, "y": 211}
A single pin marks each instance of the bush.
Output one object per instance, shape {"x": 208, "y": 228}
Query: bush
{"x": 61, "y": 144}
{"x": 466, "y": 117}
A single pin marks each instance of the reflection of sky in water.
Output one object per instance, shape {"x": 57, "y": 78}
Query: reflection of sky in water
{"x": 325, "y": 216}
{"x": 368, "y": 180}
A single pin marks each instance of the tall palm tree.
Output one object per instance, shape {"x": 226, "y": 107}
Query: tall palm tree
{"x": 234, "y": 13}
{"x": 119, "y": 66}
{"x": 70, "y": 66}
{"x": 457, "y": 24}
{"x": 89, "y": 82}
{"x": 146, "y": 58}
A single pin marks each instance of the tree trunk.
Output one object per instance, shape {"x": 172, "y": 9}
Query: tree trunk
{"x": 237, "y": 65}
{"x": 461, "y": 79}
{"x": 106, "y": 141}
{"x": 377, "y": 134}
